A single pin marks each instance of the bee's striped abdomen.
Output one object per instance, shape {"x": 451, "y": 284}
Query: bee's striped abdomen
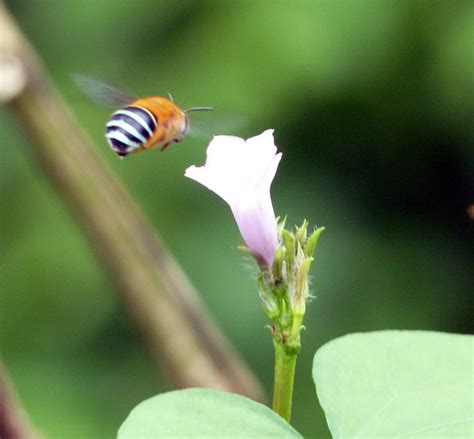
{"x": 130, "y": 128}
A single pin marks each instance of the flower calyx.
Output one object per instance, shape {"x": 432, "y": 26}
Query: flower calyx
{"x": 284, "y": 289}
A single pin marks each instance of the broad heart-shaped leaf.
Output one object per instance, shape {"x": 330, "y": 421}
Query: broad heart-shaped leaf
{"x": 409, "y": 384}
{"x": 203, "y": 413}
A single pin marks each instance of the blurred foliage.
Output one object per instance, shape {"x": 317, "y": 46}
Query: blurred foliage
{"x": 372, "y": 104}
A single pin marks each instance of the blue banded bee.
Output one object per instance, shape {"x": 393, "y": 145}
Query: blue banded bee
{"x": 141, "y": 123}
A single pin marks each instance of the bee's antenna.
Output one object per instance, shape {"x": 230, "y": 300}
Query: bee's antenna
{"x": 198, "y": 109}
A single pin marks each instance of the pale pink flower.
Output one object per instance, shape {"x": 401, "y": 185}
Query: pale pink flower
{"x": 241, "y": 172}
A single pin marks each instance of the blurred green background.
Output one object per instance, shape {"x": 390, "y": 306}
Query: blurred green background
{"x": 372, "y": 105}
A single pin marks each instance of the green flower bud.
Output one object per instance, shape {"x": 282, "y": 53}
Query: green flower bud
{"x": 301, "y": 232}
{"x": 278, "y": 264}
{"x": 280, "y": 226}
{"x": 301, "y": 292}
{"x": 312, "y": 241}
{"x": 268, "y": 297}
{"x": 289, "y": 241}
{"x": 284, "y": 288}
{"x": 300, "y": 256}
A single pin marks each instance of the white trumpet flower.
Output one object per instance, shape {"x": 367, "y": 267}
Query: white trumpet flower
{"x": 241, "y": 172}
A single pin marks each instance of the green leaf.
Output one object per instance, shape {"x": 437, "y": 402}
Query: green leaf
{"x": 407, "y": 384}
{"x": 194, "y": 413}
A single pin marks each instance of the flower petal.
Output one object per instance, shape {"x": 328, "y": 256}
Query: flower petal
{"x": 241, "y": 172}
{"x": 257, "y": 225}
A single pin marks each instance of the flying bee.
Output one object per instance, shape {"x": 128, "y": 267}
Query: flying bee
{"x": 140, "y": 123}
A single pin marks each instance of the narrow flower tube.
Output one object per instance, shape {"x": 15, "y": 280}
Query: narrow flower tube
{"x": 241, "y": 172}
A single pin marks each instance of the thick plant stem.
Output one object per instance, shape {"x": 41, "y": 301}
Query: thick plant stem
{"x": 285, "y": 364}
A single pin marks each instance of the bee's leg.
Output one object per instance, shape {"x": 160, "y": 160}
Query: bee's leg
{"x": 170, "y": 97}
{"x": 178, "y": 140}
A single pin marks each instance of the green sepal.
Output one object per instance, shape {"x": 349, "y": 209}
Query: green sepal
{"x": 301, "y": 292}
{"x": 301, "y": 232}
{"x": 312, "y": 241}
{"x": 300, "y": 256}
{"x": 278, "y": 264}
{"x": 289, "y": 241}
{"x": 280, "y": 226}
{"x": 268, "y": 297}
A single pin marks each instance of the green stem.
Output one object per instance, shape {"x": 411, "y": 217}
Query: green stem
{"x": 285, "y": 364}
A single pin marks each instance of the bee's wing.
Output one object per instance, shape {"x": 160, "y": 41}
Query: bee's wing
{"x": 101, "y": 92}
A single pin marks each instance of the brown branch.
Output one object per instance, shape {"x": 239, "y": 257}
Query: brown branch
{"x": 14, "y": 423}
{"x": 153, "y": 287}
